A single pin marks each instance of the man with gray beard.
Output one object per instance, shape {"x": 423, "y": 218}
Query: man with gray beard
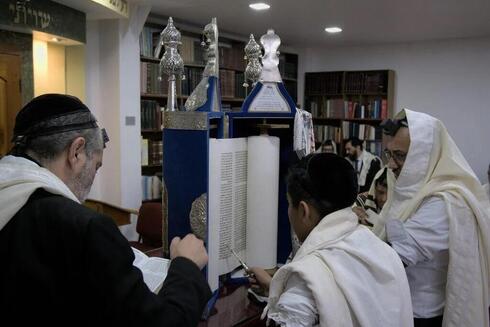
{"x": 62, "y": 263}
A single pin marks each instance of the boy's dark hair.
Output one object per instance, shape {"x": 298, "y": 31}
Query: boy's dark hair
{"x": 324, "y": 180}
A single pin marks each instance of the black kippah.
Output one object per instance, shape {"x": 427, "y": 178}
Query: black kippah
{"x": 332, "y": 179}
{"x": 391, "y": 126}
{"x": 42, "y": 116}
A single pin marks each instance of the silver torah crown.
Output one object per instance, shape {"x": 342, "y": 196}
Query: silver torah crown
{"x": 253, "y": 52}
{"x": 270, "y": 61}
{"x": 171, "y": 64}
{"x": 199, "y": 95}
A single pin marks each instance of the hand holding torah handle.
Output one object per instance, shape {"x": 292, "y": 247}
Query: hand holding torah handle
{"x": 189, "y": 247}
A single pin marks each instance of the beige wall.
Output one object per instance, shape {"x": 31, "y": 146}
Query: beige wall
{"x": 49, "y": 67}
{"x": 58, "y": 69}
{"x": 75, "y": 71}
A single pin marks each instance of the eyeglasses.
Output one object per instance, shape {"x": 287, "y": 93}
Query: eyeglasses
{"x": 398, "y": 156}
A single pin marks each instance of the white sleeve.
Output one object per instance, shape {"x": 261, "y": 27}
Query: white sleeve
{"x": 422, "y": 235}
{"x": 296, "y": 306}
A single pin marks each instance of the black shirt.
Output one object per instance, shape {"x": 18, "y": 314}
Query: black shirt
{"x": 64, "y": 264}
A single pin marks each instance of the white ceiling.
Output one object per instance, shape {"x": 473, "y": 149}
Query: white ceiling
{"x": 301, "y": 23}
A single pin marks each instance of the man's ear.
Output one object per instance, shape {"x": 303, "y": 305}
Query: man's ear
{"x": 304, "y": 212}
{"x": 75, "y": 151}
{"x": 308, "y": 214}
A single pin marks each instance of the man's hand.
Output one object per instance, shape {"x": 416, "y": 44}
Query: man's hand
{"x": 362, "y": 215}
{"x": 189, "y": 247}
{"x": 261, "y": 278}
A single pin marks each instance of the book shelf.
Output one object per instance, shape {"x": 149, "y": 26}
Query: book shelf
{"x": 154, "y": 91}
{"x": 348, "y": 104}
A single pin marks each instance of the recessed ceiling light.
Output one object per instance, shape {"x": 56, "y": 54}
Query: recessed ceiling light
{"x": 333, "y": 29}
{"x": 259, "y": 6}
{"x": 56, "y": 39}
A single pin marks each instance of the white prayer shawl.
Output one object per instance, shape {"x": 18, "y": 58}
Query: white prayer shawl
{"x": 19, "y": 178}
{"x": 367, "y": 159}
{"x": 304, "y": 139}
{"x": 370, "y": 202}
{"x": 435, "y": 167}
{"x": 355, "y": 279}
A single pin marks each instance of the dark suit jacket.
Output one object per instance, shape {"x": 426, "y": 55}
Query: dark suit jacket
{"x": 64, "y": 264}
{"x": 373, "y": 169}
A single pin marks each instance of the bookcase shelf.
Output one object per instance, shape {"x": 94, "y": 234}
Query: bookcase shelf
{"x": 337, "y": 121}
{"x": 149, "y": 59}
{"x": 197, "y": 65}
{"x": 147, "y": 96}
{"x": 348, "y": 104}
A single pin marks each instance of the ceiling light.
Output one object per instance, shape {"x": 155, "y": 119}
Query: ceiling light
{"x": 55, "y": 39}
{"x": 333, "y": 29}
{"x": 259, "y": 6}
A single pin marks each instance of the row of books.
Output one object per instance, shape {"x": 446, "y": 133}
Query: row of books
{"x": 375, "y": 147}
{"x": 151, "y": 152}
{"x": 232, "y": 57}
{"x": 366, "y": 82}
{"x": 227, "y": 83}
{"x": 193, "y": 76}
{"x": 231, "y": 81}
{"x": 151, "y": 115}
{"x": 325, "y": 132}
{"x": 150, "y": 80}
{"x": 323, "y": 83}
{"x": 348, "y": 130}
{"x": 333, "y": 83}
{"x": 191, "y": 51}
{"x": 148, "y": 40}
{"x": 361, "y": 131}
{"x": 152, "y": 187}
{"x": 342, "y": 109}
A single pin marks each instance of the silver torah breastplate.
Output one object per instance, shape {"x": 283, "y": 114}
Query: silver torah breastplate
{"x": 198, "y": 217}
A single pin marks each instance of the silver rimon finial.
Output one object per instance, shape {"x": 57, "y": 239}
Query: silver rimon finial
{"x": 253, "y": 53}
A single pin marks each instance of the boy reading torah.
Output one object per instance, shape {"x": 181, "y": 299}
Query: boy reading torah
{"x": 342, "y": 275}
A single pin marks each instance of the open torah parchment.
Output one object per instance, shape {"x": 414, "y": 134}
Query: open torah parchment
{"x": 243, "y": 203}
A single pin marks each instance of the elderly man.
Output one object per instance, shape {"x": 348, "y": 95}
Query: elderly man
{"x": 437, "y": 219}
{"x": 63, "y": 264}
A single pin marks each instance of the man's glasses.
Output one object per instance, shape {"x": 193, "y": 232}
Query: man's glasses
{"x": 398, "y": 156}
